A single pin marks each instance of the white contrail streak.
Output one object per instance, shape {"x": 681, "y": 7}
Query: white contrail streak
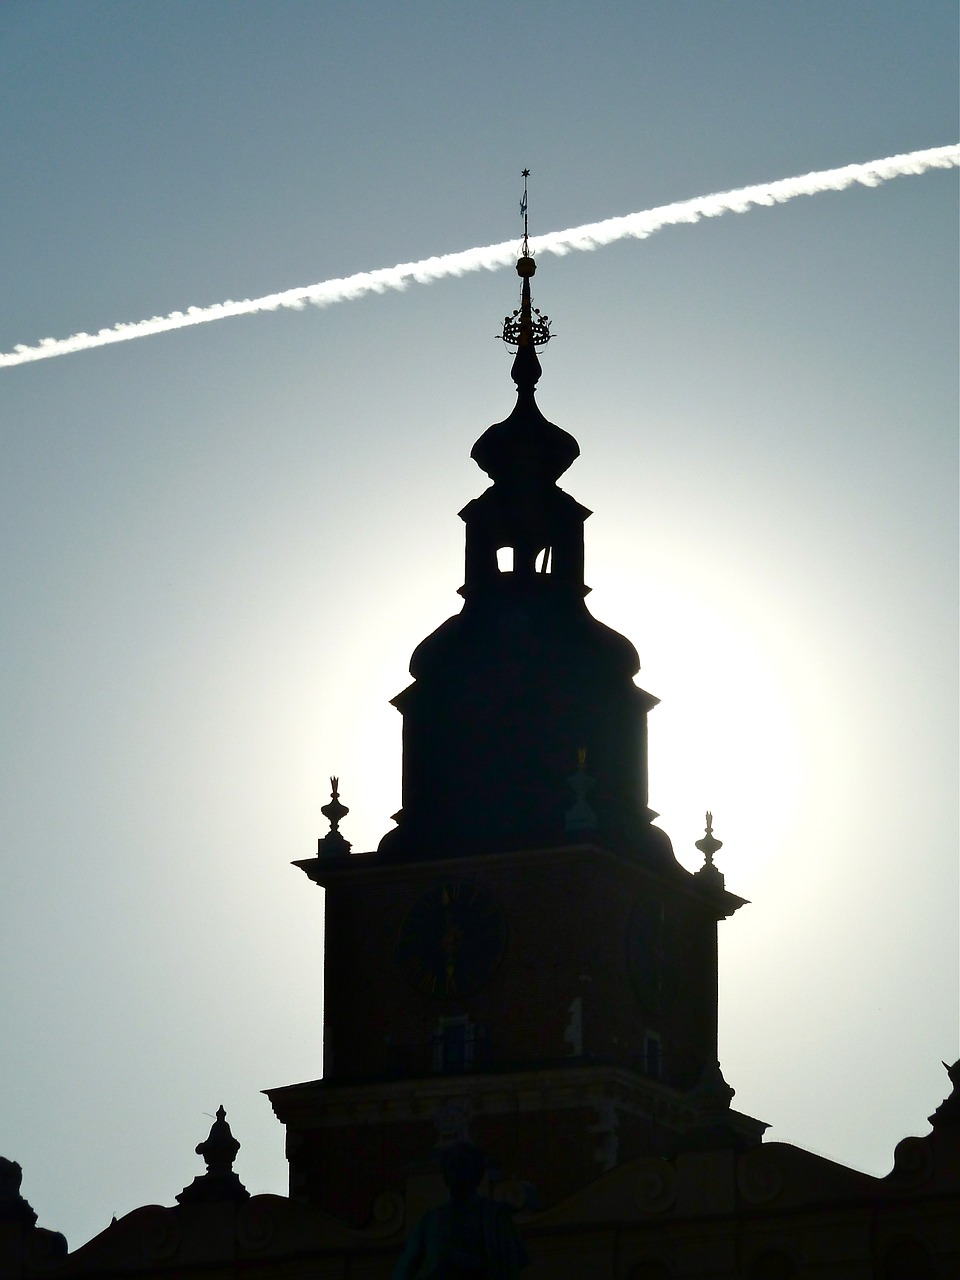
{"x": 591, "y": 236}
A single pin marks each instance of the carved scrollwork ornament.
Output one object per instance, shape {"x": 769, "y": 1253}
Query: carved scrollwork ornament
{"x": 160, "y": 1237}
{"x": 912, "y": 1162}
{"x": 388, "y": 1215}
{"x": 759, "y": 1178}
{"x": 656, "y": 1186}
{"x": 256, "y": 1226}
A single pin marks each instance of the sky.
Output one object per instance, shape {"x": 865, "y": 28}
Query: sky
{"x": 221, "y": 545}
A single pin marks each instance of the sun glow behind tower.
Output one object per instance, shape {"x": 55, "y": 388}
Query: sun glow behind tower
{"x": 212, "y": 537}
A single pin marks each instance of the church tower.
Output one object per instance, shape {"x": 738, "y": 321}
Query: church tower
{"x": 522, "y": 961}
{"x": 523, "y": 682}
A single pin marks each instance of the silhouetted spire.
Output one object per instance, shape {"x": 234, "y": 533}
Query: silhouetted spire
{"x": 506, "y": 692}
{"x": 527, "y": 328}
{"x": 525, "y": 451}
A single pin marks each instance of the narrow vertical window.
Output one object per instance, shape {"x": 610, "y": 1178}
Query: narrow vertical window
{"x": 453, "y": 1045}
{"x": 652, "y": 1055}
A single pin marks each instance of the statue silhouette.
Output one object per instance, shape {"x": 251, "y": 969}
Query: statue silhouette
{"x": 469, "y": 1238}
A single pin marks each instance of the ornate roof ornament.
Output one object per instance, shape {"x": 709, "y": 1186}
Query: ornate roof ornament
{"x": 709, "y": 844}
{"x": 525, "y": 451}
{"x": 219, "y": 1152}
{"x": 221, "y": 1147}
{"x": 333, "y": 843}
{"x": 526, "y": 328}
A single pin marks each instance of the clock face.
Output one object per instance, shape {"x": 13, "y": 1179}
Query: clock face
{"x": 645, "y": 953}
{"x": 452, "y": 939}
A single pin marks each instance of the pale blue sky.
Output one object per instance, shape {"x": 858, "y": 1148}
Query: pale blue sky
{"x": 221, "y": 545}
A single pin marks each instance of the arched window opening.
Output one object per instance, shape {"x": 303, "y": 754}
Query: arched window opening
{"x": 505, "y": 559}
{"x": 454, "y": 1042}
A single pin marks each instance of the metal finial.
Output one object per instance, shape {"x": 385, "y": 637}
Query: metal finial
{"x": 523, "y": 212}
{"x": 334, "y": 811}
{"x": 709, "y": 844}
{"x": 527, "y": 326}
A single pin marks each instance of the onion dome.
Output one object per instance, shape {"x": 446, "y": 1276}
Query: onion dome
{"x": 525, "y": 448}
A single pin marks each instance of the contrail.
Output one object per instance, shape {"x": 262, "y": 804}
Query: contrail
{"x": 635, "y": 226}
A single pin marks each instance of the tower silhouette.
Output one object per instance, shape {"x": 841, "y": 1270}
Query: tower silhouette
{"x": 520, "y": 989}
{"x": 525, "y": 929}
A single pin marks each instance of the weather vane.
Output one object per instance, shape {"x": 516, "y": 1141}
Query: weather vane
{"x": 526, "y": 326}
{"x": 523, "y": 211}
